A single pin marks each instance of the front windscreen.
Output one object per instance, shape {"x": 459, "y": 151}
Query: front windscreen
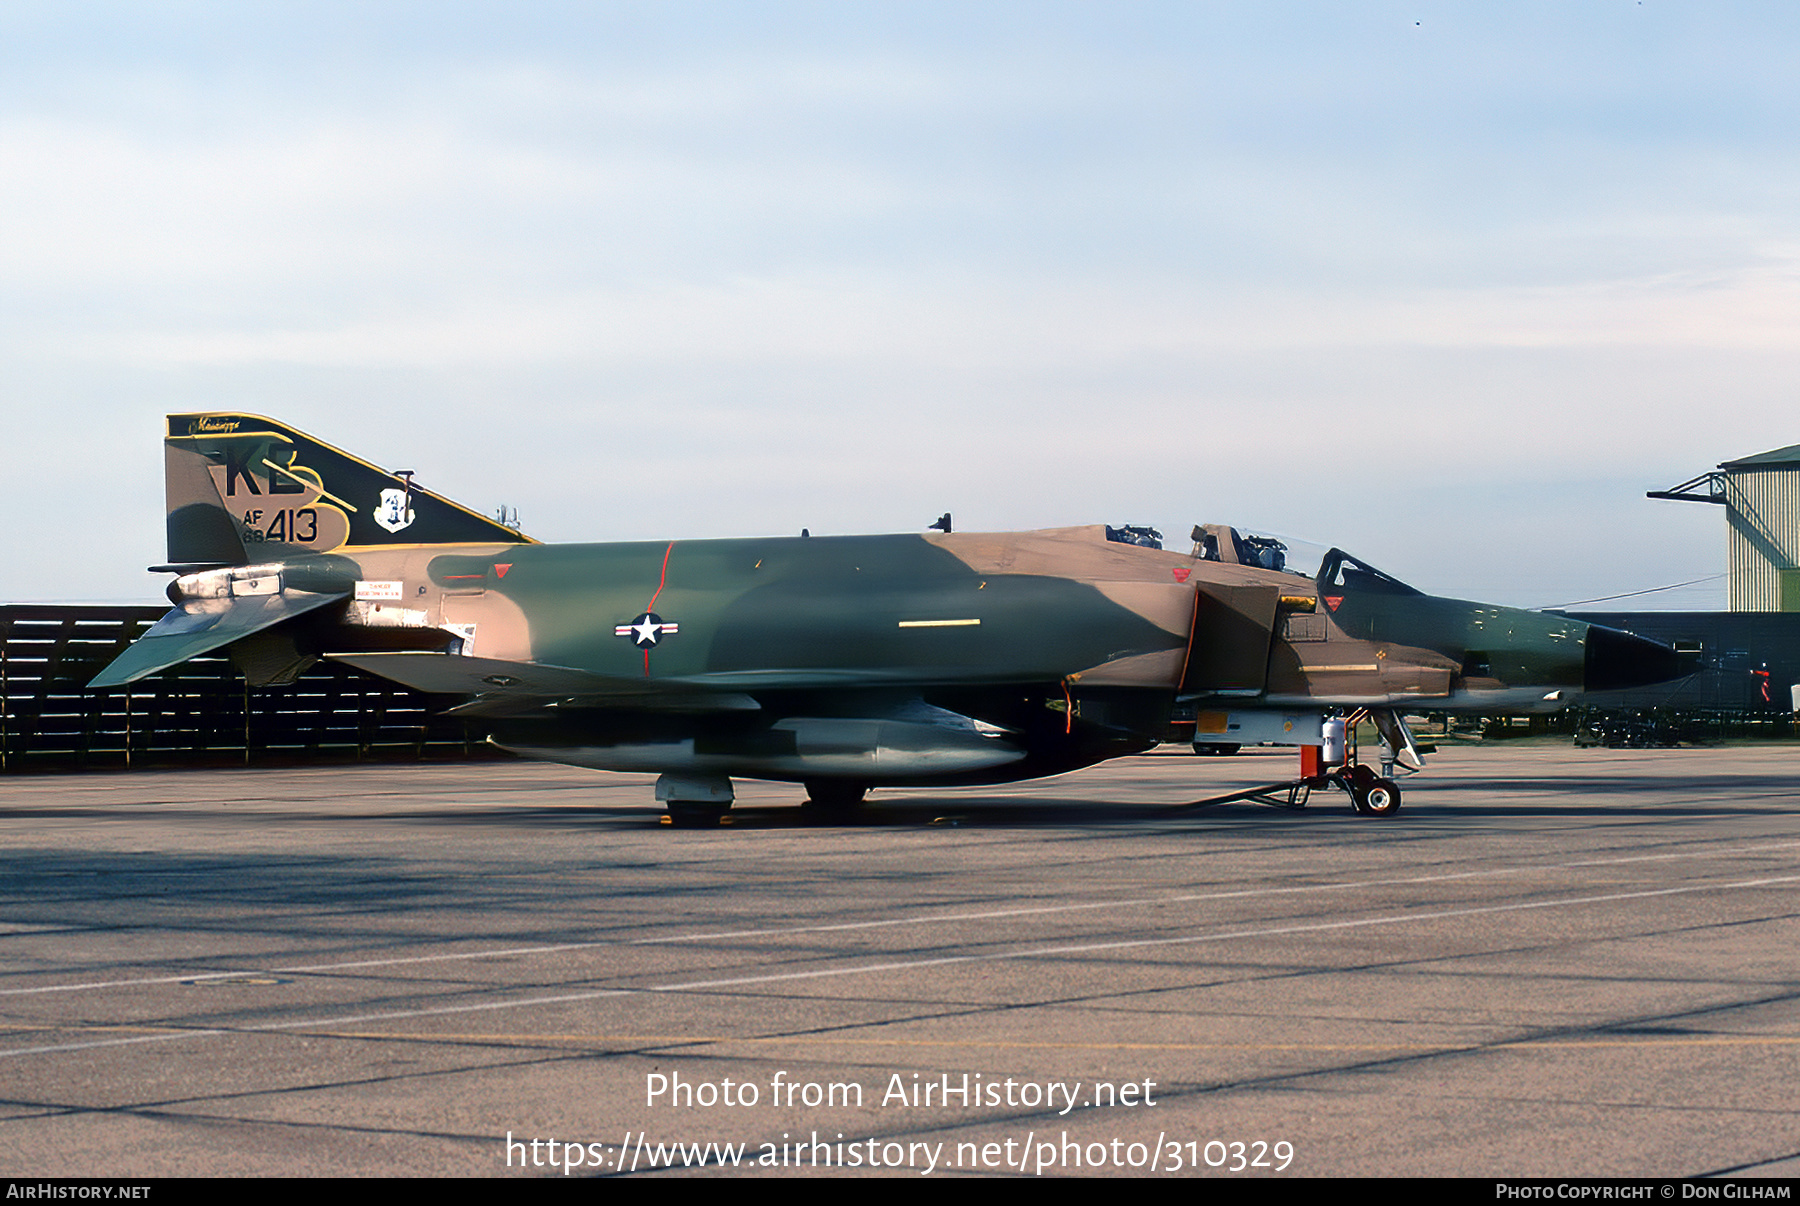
{"x": 1340, "y": 571}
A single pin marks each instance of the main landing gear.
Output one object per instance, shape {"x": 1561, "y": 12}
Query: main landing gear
{"x": 695, "y": 801}
{"x": 698, "y": 801}
{"x": 834, "y": 796}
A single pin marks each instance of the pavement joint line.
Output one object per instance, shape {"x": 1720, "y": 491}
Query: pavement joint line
{"x": 908, "y": 965}
{"x": 654, "y": 1041}
{"x": 891, "y": 922}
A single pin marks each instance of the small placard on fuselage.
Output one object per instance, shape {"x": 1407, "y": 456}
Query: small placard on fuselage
{"x": 380, "y": 592}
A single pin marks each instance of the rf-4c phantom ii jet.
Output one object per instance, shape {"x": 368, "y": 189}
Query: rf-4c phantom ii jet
{"x": 837, "y": 662}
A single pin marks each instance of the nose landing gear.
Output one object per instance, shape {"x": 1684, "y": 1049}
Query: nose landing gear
{"x": 1334, "y": 764}
{"x": 1370, "y": 794}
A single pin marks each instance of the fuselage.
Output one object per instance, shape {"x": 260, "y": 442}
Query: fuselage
{"x": 842, "y": 661}
{"x": 907, "y": 658}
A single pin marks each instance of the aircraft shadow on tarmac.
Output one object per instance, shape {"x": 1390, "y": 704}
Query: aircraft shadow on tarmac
{"x": 56, "y": 887}
{"x": 1442, "y": 802}
{"x": 1439, "y": 800}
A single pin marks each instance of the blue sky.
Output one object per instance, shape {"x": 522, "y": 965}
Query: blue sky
{"x": 1450, "y": 285}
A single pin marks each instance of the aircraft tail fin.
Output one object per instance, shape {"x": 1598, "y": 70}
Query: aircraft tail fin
{"x": 243, "y": 488}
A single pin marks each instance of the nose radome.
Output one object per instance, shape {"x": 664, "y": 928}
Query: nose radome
{"x": 1618, "y": 661}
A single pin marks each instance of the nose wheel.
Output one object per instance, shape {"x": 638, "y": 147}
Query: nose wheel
{"x": 1370, "y": 794}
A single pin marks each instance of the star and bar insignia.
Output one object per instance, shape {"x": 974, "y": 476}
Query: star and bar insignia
{"x": 646, "y": 630}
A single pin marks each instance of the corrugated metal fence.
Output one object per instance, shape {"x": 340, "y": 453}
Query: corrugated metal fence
{"x": 197, "y": 713}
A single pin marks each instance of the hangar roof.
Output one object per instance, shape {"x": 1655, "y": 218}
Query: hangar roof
{"x": 1766, "y": 460}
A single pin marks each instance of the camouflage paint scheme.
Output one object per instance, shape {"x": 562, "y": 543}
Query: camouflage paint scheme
{"x": 841, "y": 662}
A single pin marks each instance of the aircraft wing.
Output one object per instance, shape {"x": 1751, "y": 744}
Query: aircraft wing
{"x": 497, "y": 687}
{"x": 203, "y": 625}
{"x": 453, "y": 674}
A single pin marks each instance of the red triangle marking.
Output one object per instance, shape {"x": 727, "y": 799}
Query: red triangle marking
{"x": 1332, "y": 601}
{"x": 1181, "y": 573}
{"x": 500, "y": 570}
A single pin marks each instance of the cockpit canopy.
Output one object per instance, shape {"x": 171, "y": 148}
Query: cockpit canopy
{"x": 1220, "y": 542}
{"x": 1339, "y": 572}
{"x": 1148, "y": 538}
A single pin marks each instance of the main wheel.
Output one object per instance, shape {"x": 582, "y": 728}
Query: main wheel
{"x": 684, "y": 815}
{"x": 834, "y": 795}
